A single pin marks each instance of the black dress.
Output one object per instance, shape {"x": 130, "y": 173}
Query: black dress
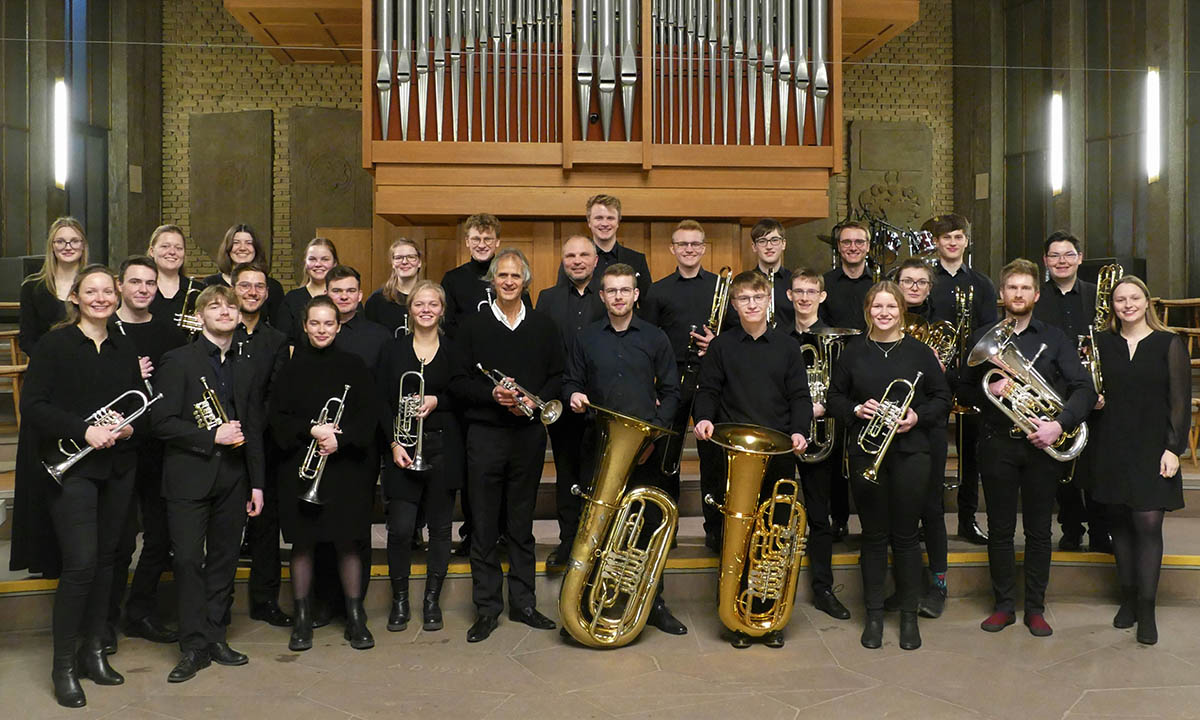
{"x": 304, "y": 384}
{"x": 290, "y": 315}
{"x": 391, "y": 315}
{"x": 1147, "y": 409}
{"x": 274, "y": 294}
{"x": 443, "y": 448}
{"x": 39, "y": 310}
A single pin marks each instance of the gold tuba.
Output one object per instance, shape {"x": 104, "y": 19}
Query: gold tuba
{"x": 876, "y": 437}
{"x": 1028, "y": 395}
{"x": 760, "y": 552}
{"x": 1106, "y": 280}
{"x": 819, "y": 360}
{"x": 611, "y": 581}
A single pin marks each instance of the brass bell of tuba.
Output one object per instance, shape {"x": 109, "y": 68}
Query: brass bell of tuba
{"x": 1028, "y": 395}
{"x": 761, "y": 551}
{"x": 612, "y": 575}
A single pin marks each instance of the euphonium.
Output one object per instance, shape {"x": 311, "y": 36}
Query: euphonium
{"x": 407, "y": 410}
{"x": 1106, "y": 280}
{"x": 760, "y": 551}
{"x": 186, "y": 319}
{"x": 209, "y": 413}
{"x": 104, "y": 416}
{"x": 876, "y": 437}
{"x": 1028, "y": 395}
{"x": 613, "y": 575}
{"x": 551, "y": 410}
{"x": 313, "y": 466}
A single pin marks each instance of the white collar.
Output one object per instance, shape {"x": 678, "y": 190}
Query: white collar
{"x": 504, "y": 318}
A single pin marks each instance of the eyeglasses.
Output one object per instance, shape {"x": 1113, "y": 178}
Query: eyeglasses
{"x": 747, "y": 299}
{"x": 688, "y": 245}
{"x": 773, "y": 241}
{"x": 910, "y": 283}
{"x": 248, "y": 286}
{"x": 480, "y": 242}
{"x": 1068, "y": 256}
{"x": 619, "y": 292}
{"x": 406, "y": 259}
{"x": 806, "y": 292}
{"x": 68, "y": 242}
{"x": 853, "y": 242}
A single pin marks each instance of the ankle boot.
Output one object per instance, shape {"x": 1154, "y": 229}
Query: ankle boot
{"x": 910, "y": 633}
{"x": 356, "y": 625}
{"x": 431, "y": 611}
{"x": 1126, "y": 614}
{"x": 401, "y": 612}
{"x": 1147, "y": 628}
{"x": 872, "y": 634}
{"x": 65, "y": 678}
{"x": 302, "y": 626}
{"x": 93, "y": 663}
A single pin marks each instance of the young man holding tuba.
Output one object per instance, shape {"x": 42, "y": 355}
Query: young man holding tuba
{"x": 1023, "y": 355}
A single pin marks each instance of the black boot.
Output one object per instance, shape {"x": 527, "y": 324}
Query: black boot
{"x": 910, "y": 633}
{"x": 431, "y": 611}
{"x": 1147, "y": 628}
{"x": 356, "y": 625}
{"x": 65, "y": 678}
{"x": 401, "y": 612}
{"x": 302, "y": 626}
{"x": 93, "y": 663}
{"x": 872, "y": 634}
{"x": 1126, "y": 616}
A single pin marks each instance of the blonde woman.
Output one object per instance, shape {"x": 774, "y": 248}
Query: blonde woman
{"x": 320, "y": 256}
{"x": 388, "y": 305}
{"x": 168, "y": 249}
{"x": 43, "y": 293}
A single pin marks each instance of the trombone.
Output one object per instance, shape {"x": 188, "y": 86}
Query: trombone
{"x": 409, "y": 407}
{"x": 102, "y": 417}
{"x": 551, "y": 410}
{"x": 876, "y": 437}
{"x": 313, "y": 466}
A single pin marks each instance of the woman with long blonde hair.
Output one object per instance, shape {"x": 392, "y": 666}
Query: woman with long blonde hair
{"x": 388, "y": 305}
{"x": 43, "y": 294}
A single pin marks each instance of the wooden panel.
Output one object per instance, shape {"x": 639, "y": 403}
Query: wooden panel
{"x": 354, "y": 249}
{"x": 428, "y": 175}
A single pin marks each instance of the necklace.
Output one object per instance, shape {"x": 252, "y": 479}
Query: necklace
{"x": 876, "y": 343}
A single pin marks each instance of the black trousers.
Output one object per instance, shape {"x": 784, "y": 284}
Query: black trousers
{"x": 889, "y": 512}
{"x": 206, "y": 535}
{"x": 88, "y": 517}
{"x": 1076, "y": 506}
{"x": 262, "y": 534}
{"x": 1014, "y": 471}
{"x": 933, "y": 515}
{"x": 437, "y": 506}
{"x": 967, "y": 438}
{"x": 712, "y": 482}
{"x": 504, "y": 466}
{"x": 148, "y": 504}
{"x": 816, "y": 480}
{"x": 567, "y": 440}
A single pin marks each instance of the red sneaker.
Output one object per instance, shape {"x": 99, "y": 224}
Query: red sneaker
{"x": 1038, "y": 627}
{"x": 998, "y": 620}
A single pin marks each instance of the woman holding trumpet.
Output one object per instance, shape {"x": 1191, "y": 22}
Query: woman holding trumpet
{"x": 417, "y": 372}
{"x": 884, "y": 385}
{"x": 78, "y": 368}
{"x": 323, "y": 414}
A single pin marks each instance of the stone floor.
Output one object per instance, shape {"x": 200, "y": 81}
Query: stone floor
{"x": 1087, "y": 670}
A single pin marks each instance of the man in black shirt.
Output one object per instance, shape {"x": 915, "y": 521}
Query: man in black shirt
{"x": 603, "y": 219}
{"x": 152, "y": 338}
{"x": 768, "y": 241}
{"x": 625, "y": 364}
{"x": 952, "y": 234}
{"x": 466, "y": 290}
{"x": 573, "y": 305}
{"x": 1017, "y": 468}
{"x": 358, "y": 335}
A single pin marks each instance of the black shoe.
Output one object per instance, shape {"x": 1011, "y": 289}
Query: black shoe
{"x": 972, "y": 533}
{"x": 532, "y": 618}
{"x": 222, "y": 654}
{"x": 933, "y": 603}
{"x": 1126, "y": 616}
{"x": 322, "y": 615}
{"x": 827, "y": 602}
{"x": 270, "y": 613}
{"x": 92, "y": 663}
{"x": 661, "y": 618}
{"x": 712, "y": 541}
{"x": 740, "y": 640}
{"x": 401, "y": 612}
{"x": 872, "y": 634}
{"x": 356, "y": 626}
{"x": 431, "y": 609}
{"x": 1099, "y": 544}
{"x": 192, "y": 662}
{"x": 556, "y": 561}
{"x": 481, "y": 628}
{"x": 1147, "y": 626}
{"x": 67, "y": 690}
{"x": 773, "y": 639}
{"x": 1070, "y": 542}
{"x": 110, "y": 639}
{"x": 910, "y": 632}
{"x": 891, "y": 603}
{"x": 840, "y": 530}
{"x": 302, "y": 638}
{"x": 150, "y": 629}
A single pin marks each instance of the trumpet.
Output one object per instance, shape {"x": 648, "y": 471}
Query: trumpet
{"x": 104, "y": 416}
{"x": 819, "y": 359}
{"x": 186, "y": 319}
{"x": 313, "y": 466}
{"x": 876, "y": 437}
{"x": 551, "y": 410}
{"x": 209, "y": 413}
{"x": 409, "y": 407}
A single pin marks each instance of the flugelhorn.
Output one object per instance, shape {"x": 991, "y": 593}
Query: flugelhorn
{"x": 613, "y": 573}
{"x": 760, "y": 550}
{"x": 209, "y": 413}
{"x": 104, "y": 416}
{"x": 1028, "y": 396}
{"x": 819, "y": 359}
{"x": 407, "y": 411}
{"x": 876, "y": 437}
{"x": 551, "y": 410}
{"x": 313, "y": 466}
{"x": 186, "y": 318}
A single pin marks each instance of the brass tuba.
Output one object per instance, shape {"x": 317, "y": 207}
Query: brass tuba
{"x": 760, "y": 552}
{"x": 819, "y": 360}
{"x": 1028, "y": 395}
{"x": 611, "y": 580}
{"x": 876, "y": 437}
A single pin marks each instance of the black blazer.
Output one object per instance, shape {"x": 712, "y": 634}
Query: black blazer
{"x": 553, "y": 302}
{"x": 192, "y": 459}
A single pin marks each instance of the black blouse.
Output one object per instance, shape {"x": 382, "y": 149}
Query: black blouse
{"x": 40, "y": 309}
{"x": 391, "y": 315}
{"x": 291, "y": 313}
{"x": 166, "y": 308}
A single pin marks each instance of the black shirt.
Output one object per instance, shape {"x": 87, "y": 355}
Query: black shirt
{"x": 677, "y": 303}
{"x": 761, "y": 381}
{"x": 40, "y": 309}
{"x": 290, "y": 317}
{"x": 941, "y": 297}
{"x": 266, "y": 349}
{"x": 152, "y": 338}
{"x": 844, "y": 298}
{"x": 166, "y": 308}
{"x": 391, "y": 315}
{"x": 632, "y": 372}
{"x": 620, "y": 254}
{"x": 220, "y": 380}
{"x": 780, "y": 282}
{"x": 1072, "y": 311}
{"x": 1058, "y": 364}
{"x": 359, "y": 336}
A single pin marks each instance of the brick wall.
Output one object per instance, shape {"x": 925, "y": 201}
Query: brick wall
{"x": 231, "y": 76}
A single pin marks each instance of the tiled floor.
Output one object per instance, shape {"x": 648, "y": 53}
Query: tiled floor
{"x": 1087, "y": 670}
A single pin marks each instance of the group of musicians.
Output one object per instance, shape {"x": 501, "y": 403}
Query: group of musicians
{"x": 257, "y": 411}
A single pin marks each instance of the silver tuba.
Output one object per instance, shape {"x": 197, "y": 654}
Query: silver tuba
{"x": 1028, "y": 395}
{"x": 404, "y": 432}
{"x": 313, "y": 466}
